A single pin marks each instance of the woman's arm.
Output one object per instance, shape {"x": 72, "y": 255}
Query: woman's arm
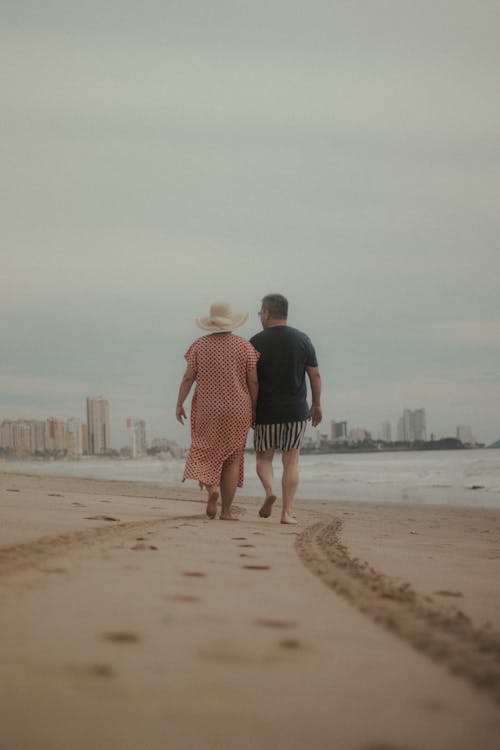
{"x": 187, "y": 381}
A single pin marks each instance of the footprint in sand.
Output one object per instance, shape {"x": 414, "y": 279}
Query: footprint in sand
{"x": 270, "y": 623}
{"x": 101, "y": 518}
{"x": 142, "y": 546}
{"x": 80, "y": 505}
{"x": 239, "y": 538}
{"x": 55, "y": 494}
{"x": 448, "y": 593}
{"x": 93, "y": 670}
{"x": 246, "y": 545}
{"x": 53, "y": 570}
{"x": 194, "y": 574}
{"x": 101, "y": 670}
{"x": 257, "y": 567}
{"x": 184, "y": 598}
{"x": 122, "y": 636}
{"x": 290, "y": 643}
{"x": 11, "y": 489}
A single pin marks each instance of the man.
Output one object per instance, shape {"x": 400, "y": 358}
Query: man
{"x": 286, "y": 355}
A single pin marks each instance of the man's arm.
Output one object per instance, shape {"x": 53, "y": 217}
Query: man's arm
{"x": 253, "y": 389}
{"x": 315, "y": 382}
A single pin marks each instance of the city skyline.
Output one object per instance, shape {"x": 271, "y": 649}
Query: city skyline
{"x": 343, "y": 154}
{"x": 73, "y": 435}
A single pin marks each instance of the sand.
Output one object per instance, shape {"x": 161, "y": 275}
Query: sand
{"x": 130, "y": 621}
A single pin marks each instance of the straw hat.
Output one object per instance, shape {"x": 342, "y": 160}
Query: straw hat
{"x": 221, "y": 318}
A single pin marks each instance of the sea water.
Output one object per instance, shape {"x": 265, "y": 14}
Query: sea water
{"x": 460, "y": 477}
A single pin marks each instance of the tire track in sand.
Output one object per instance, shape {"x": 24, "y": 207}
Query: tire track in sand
{"x": 445, "y": 634}
{"x": 23, "y": 555}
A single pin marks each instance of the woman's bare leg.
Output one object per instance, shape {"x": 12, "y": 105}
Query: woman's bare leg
{"x": 228, "y": 484}
{"x": 213, "y": 496}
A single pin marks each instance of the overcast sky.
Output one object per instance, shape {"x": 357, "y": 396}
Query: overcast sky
{"x": 160, "y": 155}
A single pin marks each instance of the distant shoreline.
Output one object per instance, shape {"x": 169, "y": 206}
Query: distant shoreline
{"x": 392, "y": 449}
{"x": 435, "y": 446}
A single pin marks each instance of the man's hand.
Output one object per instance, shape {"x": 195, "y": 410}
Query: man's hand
{"x": 180, "y": 414}
{"x": 316, "y": 415}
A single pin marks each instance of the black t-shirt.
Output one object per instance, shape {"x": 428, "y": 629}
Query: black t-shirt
{"x": 285, "y": 353}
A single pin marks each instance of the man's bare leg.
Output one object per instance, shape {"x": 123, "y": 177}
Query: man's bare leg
{"x": 228, "y": 484}
{"x": 264, "y": 465}
{"x": 289, "y": 482}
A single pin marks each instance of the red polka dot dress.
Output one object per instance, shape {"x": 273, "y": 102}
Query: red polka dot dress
{"x": 221, "y": 409}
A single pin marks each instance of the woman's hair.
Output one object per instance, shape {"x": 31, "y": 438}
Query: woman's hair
{"x": 276, "y": 305}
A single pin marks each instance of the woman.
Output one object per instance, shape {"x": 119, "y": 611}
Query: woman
{"x": 224, "y": 367}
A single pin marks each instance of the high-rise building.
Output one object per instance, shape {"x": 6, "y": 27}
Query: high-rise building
{"x": 85, "y": 438}
{"x": 419, "y": 425}
{"x": 55, "y": 435}
{"x": 464, "y": 434}
{"x": 39, "y": 436}
{"x": 412, "y": 426}
{"x": 74, "y": 443}
{"x": 5, "y": 434}
{"x": 136, "y": 430}
{"x": 24, "y": 436}
{"x": 359, "y": 435}
{"x": 21, "y": 435}
{"x": 338, "y": 431}
{"x": 386, "y": 432}
{"x": 98, "y": 425}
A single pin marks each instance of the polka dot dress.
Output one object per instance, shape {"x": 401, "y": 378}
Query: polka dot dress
{"x": 221, "y": 409}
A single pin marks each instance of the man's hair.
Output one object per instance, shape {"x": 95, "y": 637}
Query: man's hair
{"x": 276, "y": 305}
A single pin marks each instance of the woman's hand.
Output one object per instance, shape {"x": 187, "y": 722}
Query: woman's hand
{"x": 187, "y": 381}
{"x": 180, "y": 414}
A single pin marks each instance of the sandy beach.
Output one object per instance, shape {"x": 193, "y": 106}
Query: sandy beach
{"x": 129, "y": 621}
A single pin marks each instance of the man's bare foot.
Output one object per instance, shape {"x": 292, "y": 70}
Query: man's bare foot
{"x": 212, "y": 504}
{"x": 287, "y": 518}
{"x": 228, "y": 516}
{"x": 267, "y": 507}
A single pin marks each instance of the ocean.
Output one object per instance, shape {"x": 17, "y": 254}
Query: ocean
{"x": 462, "y": 477}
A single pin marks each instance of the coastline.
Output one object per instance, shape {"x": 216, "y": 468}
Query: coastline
{"x": 128, "y": 619}
{"x": 468, "y": 478}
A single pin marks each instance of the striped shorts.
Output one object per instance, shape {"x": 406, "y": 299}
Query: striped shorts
{"x": 284, "y": 436}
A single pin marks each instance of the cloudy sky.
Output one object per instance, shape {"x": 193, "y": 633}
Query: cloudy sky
{"x": 159, "y": 155}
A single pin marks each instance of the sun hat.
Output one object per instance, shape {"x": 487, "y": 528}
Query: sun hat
{"x": 221, "y": 318}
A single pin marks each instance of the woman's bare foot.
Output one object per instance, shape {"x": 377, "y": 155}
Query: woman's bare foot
{"x": 287, "y": 518}
{"x": 228, "y": 516}
{"x": 267, "y": 507}
{"x": 212, "y": 504}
